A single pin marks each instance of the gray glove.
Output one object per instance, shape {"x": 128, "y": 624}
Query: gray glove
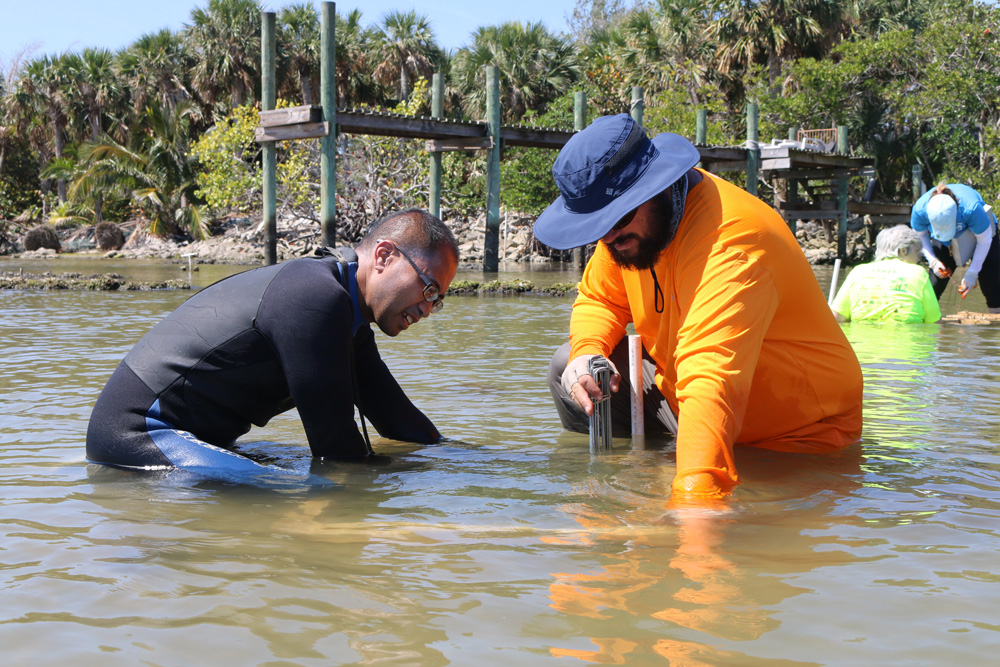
{"x": 578, "y": 367}
{"x": 938, "y": 267}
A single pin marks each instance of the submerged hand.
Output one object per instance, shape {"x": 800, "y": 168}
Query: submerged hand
{"x": 581, "y": 385}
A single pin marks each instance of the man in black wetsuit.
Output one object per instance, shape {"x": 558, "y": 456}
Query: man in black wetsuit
{"x": 261, "y": 342}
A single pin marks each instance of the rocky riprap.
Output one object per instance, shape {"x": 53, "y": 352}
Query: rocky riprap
{"x": 103, "y": 282}
{"x": 241, "y": 241}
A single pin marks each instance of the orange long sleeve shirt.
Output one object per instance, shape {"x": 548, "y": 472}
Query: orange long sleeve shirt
{"x": 746, "y": 348}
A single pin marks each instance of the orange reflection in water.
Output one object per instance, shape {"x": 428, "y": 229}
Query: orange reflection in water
{"x": 679, "y": 565}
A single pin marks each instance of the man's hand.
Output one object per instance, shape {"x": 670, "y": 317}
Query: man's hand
{"x": 970, "y": 280}
{"x": 581, "y": 385}
{"x": 938, "y": 267}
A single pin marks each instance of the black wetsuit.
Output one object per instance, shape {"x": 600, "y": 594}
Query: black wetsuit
{"x": 242, "y": 351}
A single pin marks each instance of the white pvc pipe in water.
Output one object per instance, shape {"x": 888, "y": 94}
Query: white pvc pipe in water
{"x": 635, "y": 378}
{"x": 833, "y": 283}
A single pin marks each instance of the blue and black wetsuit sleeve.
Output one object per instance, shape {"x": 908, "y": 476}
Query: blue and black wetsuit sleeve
{"x": 382, "y": 399}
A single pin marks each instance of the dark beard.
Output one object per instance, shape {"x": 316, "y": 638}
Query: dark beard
{"x": 650, "y": 247}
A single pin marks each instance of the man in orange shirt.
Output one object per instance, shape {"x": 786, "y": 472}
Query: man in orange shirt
{"x": 740, "y": 339}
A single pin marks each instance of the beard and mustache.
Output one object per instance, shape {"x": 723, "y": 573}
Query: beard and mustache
{"x": 648, "y": 248}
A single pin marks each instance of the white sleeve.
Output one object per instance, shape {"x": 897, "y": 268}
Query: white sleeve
{"x": 925, "y": 244}
{"x": 983, "y": 242}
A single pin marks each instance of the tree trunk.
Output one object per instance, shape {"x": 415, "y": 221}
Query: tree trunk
{"x": 985, "y": 122}
{"x": 773, "y": 70}
{"x": 60, "y": 142}
{"x": 404, "y": 83}
{"x": 307, "y": 96}
{"x": 95, "y": 125}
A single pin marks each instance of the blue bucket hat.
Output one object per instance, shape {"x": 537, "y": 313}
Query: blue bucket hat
{"x": 605, "y": 171}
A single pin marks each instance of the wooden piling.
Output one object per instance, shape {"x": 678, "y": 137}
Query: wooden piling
{"x": 437, "y": 111}
{"x": 701, "y": 129}
{"x": 792, "y": 184}
{"x": 842, "y": 149}
{"x": 580, "y": 122}
{"x": 269, "y": 149}
{"x": 491, "y": 244}
{"x": 328, "y": 143}
{"x": 637, "y": 105}
{"x": 753, "y": 151}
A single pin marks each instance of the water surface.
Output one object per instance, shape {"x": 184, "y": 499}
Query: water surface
{"x": 508, "y": 543}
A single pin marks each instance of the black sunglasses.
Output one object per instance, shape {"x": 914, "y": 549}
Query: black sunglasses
{"x": 626, "y": 220}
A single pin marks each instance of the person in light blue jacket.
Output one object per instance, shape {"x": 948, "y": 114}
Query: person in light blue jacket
{"x": 956, "y": 226}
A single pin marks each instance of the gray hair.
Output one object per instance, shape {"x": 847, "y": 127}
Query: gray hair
{"x": 891, "y": 240}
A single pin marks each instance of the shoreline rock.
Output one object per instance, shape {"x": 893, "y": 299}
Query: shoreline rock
{"x": 240, "y": 241}
{"x": 102, "y": 282}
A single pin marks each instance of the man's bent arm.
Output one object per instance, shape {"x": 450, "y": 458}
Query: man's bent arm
{"x": 384, "y": 402}
{"x": 730, "y": 309}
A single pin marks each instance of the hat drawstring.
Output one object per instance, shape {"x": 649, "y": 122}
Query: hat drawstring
{"x": 658, "y": 301}
{"x": 678, "y": 197}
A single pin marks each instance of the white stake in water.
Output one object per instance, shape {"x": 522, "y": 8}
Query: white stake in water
{"x": 833, "y": 283}
{"x": 635, "y": 379}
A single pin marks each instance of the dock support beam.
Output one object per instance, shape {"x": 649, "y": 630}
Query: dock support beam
{"x": 437, "y": 111}
{"x": 753, "y": 150}
{"x": 491, "y": 245}
{"x": 792, "y": 184}
{"x": 637, "y": 104}
{"x": 842, "y": 149}
{"x": 701, "y": 130}
{"x": 269, "y": 149}
{"x": 328, "y": 143}
{"x": 579, "y": 122}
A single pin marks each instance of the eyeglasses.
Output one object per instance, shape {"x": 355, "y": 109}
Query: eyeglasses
{"x": 432, "y": 293}
{"x": 626, "y": 220}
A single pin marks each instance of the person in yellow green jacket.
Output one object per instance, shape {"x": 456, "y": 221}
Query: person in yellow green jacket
{"x": 741, "y": 344}
{"x": 892, "y": 288}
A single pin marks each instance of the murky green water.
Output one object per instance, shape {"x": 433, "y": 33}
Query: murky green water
{"x": 509, "y": 543}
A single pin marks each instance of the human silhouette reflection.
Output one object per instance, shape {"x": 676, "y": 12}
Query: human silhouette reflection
{"x": 302, "y": 571}
{"x": 680, "y": 579}
{"x": 901, "y": 396}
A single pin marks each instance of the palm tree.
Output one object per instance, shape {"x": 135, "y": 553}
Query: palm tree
{"x": 770, "y": 32}
{"x": 99, "y": 88}
{"x": 877, "y": 17}
{"x": 355, "y": 48}
{"x": 48, "y": 90}
{"x": 607, "y": 83}
{"x": 298, "y": 46}
{"x": 535, "y": 67}
{"x": 407, "y": 48}
{"x": 666, "y": 44}
{"x": 156, "y": 169}
{"x": 225, "y": 41}
{"x": 8, "y": 131}
{"x": 156, "y": 67}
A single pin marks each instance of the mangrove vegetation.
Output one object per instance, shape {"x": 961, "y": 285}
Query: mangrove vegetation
{"x": 162, "y": 130}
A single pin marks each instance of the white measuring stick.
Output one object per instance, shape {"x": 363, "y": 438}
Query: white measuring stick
{"x": 635, "y": 379}
{"x": 833, "y": 283}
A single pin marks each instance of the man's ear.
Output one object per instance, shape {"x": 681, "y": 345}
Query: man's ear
{"x": 382, "y": 252}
